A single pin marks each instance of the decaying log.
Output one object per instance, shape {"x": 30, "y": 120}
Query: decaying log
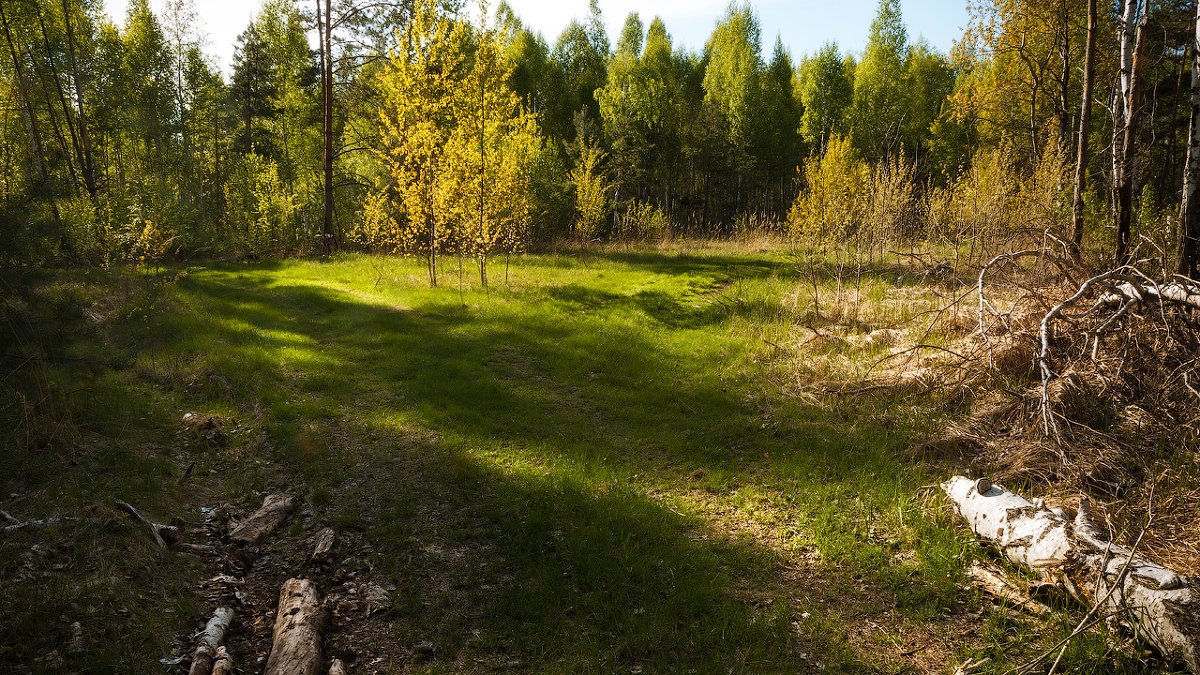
{"x": 38, "y": 524}
{"x": 223, "y": 665}
{"x": 1159, "y": 604}
{"x": 324, "y": 544}
{"x": 163, "y": 534}
{"x": 259, "y": 524}
{"x": 296, "y": 648}
{"x": 337, "y": 667}
{"x": 1000, "y": 587}
{"x": 201, "y": 549}
{"x": 210, "y": 640}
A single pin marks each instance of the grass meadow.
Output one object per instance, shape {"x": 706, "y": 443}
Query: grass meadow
{"x": 602, "y": 464}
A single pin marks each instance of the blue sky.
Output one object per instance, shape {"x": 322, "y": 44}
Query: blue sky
{"x": 802, "y": 24}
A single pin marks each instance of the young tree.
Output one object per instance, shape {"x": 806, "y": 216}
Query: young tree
{"x": 1085, "y": 122}
{"x": 1187, "y": 253}
{"x": 591, "y": 192}
{"x": 417, "y": 120}
{"x": 490, "y": 145}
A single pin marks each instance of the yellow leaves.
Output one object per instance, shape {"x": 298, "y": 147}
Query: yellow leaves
{"x": 456, "y": 141}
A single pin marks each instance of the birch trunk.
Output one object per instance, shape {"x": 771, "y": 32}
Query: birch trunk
{"x": 210, "y": 642}
{"x": 1133, "y": 46}
{"x": 1157, "y": 604}
{"x": 1085, "y": 122}
{"x": 259, "y": 524}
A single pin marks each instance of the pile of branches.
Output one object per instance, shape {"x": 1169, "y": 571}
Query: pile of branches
{"x": 1087, "y": 383}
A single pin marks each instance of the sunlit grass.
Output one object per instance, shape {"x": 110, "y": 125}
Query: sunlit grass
{"x": 599, "y": 465}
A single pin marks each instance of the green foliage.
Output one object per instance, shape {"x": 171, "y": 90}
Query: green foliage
{"x": 642, "y": 220}
{"x": 375, "y": 228}
{"x": 260, "y": 211}
{"x": 827, "y": 93}
{"x": 880, "y": 86}
{"x": 592, "y": 201}
{"x": 732, "y": 77}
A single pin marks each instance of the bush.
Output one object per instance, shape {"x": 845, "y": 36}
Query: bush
{"x": 832, "y": 203}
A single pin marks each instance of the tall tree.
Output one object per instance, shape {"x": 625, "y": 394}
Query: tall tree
{"x": 880, "y": 85}
{"x": 417, "y": 120}
{"x": 1085, "y": 122}
{"x": 1132, "y": 34}
{"x": 254, "y": 90}
{"x": 1188, "y": 230}
{"x": 826, "y": 92}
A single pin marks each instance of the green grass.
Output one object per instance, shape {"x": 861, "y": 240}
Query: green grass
{"x": 589, "y": 468}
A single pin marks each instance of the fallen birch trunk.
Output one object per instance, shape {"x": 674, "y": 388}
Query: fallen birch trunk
{"x": 1158, "y": 604}
{"x": 1182, "y": 292}
{"x": 259, "y": 524}
{"x": 296, "y": 648}
{"x": 210, "y": 642}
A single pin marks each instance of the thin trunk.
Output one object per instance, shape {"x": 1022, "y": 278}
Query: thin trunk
{"x": 1129, "y": 149}
{"x": 37, "y": 154}
{"x": 89, "y": 164}
{"x": 1168, "y": 168}
{"x": 1189, "y": 209}
{"x": 62, "y": 101}
{"x": 326, "y": 33}
{"x": 1085, "y": 120}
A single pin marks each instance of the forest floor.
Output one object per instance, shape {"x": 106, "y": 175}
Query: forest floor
{"x": 611, "y": 461}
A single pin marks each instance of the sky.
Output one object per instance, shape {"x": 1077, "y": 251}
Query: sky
{"x": 804, "y": 25}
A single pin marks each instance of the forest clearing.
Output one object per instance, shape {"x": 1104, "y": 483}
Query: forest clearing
{"x": 623, "y": 459}
{"x": 404, "y": 340}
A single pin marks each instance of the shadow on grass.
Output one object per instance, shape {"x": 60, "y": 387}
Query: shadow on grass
{"x": 499, "y": 456}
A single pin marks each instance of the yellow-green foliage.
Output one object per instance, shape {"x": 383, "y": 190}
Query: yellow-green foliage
{"x": 643, "y": 219}
{"x": 259, "y": 209}
{"x": 892, "y": 197}
{"x": 489, "y": 156}
{"x": 416, "y": 120}
{"x": 995, "y": 200}
{"x": 591, "y": 192}
{"x": 832, "y": 203}
{"x": 375, "y": 228}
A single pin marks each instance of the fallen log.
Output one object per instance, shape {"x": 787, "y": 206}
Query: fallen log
{"x": 274, "y": 510}
{"x": 43, "y": 523}
{"x": 1182, "y": 291}
{"x": 1156, "y": 603}
{"x": 324, "y": 544}
{"x": 210, "y": 641}
{"x": 299, "y": 623}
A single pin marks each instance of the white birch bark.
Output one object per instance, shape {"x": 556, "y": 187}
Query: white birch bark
{"x": 1155, "y": 602}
